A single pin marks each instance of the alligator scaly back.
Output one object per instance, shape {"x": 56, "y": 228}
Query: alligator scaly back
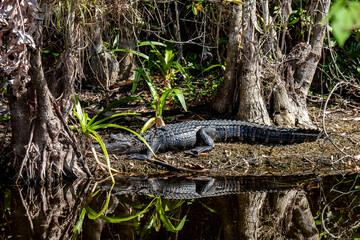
{"x": 200, "y": 136}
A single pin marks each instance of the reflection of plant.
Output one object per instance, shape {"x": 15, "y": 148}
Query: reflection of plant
{"x": 88, "y": 128}
{"x": 162, "y": 215}
{"x": 6, "y": 208}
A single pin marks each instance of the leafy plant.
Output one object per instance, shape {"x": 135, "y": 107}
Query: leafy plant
{"x": 88, "y": 128}
{"x": 163, "y": 61}
{"x": 158, "y": 102}
{"x": 344, "y": 19}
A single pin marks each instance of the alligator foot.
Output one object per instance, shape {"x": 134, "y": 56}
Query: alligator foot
{"x": 201, "y": 149}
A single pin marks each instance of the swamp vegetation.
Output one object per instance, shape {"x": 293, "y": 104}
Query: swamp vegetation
{"x": 74, "y": 72}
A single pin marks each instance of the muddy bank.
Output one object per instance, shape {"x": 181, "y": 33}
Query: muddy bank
{"x": 238, "y": 159}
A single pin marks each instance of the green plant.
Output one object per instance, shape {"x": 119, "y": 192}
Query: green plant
{"x": 163, "y": 62}
{"x": 158, "y": 102}
{"x": 88, "y": 128}
{"x": 163, "y": 210}
{"x": 344, "y": 19}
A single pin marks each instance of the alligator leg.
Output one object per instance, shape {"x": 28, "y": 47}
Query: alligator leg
{"x": 207, "y": 134}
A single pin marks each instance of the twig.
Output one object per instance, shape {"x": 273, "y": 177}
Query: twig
{"x": 27, "y": 213}
{"x": 323, "y": 121}
{"x": 102, "y": 165}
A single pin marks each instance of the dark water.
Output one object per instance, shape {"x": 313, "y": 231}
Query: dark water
{"x": 268, "y": 207}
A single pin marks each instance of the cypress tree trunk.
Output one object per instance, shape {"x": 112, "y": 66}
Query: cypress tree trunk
{"x": 42, "y": 144}
{"x": 261, "y": 82}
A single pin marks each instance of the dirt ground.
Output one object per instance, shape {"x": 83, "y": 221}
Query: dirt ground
{"x": 338, "y": 154}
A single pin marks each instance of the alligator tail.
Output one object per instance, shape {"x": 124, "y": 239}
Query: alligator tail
{"x": 277, "y": 135}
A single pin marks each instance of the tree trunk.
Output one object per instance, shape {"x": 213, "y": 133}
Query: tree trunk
{"x": 225, "y": 101}
{"x": 47, "y": 153}
{"x": 269, "y": 83}
{"x": 251, "y": 103}
{"x": 47, "y": 212}
{"x": 306, "y": 71}
{"x": 42, "y": 144}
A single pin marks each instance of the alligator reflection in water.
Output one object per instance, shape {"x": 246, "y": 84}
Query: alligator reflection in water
{"x": 258, "y": 208}
{"x": 200, "y": 187}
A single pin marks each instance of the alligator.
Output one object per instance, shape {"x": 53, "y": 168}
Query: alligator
{"x": 201, "y": 187}
{"x": 200, "y": 136}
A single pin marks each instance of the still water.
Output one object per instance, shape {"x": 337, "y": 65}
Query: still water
{"x": 192, "y": 207}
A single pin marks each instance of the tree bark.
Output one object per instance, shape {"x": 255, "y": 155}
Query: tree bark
{"x": 42, "y": 144}
{"x": 225, "y": 101}
{"x": 47, "y": 153}
{"x": 251, "y": 103}
{"x": 306, "y": 71}
{"x": 288, "y": 76}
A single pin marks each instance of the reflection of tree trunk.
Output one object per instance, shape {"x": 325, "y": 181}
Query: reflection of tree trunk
{"x": 47, "y": 212}
{"x": 267, "y": 216}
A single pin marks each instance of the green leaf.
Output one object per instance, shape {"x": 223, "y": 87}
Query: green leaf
{"x": 162, "y": 214}
{"x": 163, "y": 98}
{"x": 149, "y": 83}
{"x": 182, "y": 71}
{"x": 318, "y": 222}
{"x": 162, "y": 61}
{"x": 120, "y": 219}
{"x": 133, "y": 52}
{"x": 118, "y": 103}
{"x": 94, "y": 215}
{"x": 97, "y": 137}
{"x": 169, "y": 54}
{"x": 152, "y": 43}
{"x": 4, "y": 118}
{"x": 343, "y": 18}
{"x": 116, "y": 40}
{"x": 180, "y": 96}
{"x": 149, "y": 123}
{"x": 342, "y": 26}
{"x": 136, "y": 81}
{"x": 79, "y": 224}
{"x": 129, "y": 130}
{"x": 113, "y": 116}
{"x": 181, "y": 224}
{"x": 211, "y": 67}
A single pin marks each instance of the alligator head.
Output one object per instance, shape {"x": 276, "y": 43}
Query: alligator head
{"x": 124, "y": 144}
